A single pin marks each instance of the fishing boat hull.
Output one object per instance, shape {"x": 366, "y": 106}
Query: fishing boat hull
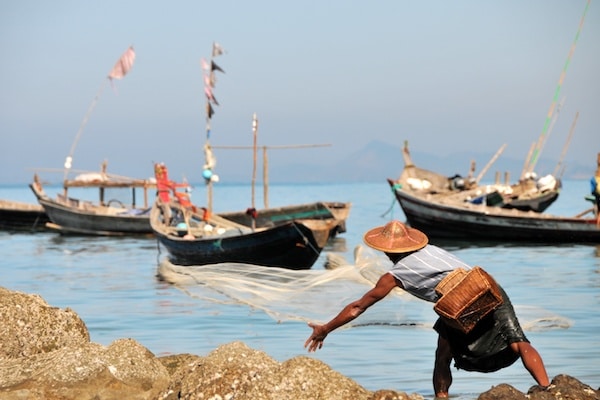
{"x": 291, "y": 245}
{"x": 73, "y": 216}
{"x": 19, "y": 216}
{"x": 335, "y": 211}
{"x": 439, "y": 217}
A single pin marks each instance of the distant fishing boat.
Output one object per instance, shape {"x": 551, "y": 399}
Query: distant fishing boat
{"x": 526, "y": 195}
{"x": 106, "y": 216}
{"x": 20, "y": 216}
{"x": 444, "y": 217}
{"x": 456, "y": 217}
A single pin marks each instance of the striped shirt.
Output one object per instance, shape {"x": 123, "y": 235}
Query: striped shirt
{"x": 421, "y": 271}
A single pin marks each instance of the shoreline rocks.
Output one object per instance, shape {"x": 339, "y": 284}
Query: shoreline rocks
{"x": 46, "y": 353}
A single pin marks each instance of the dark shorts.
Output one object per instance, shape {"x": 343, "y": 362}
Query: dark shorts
{"x": 487, "y": 347}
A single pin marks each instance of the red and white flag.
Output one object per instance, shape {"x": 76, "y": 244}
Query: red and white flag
{"x": 204, "y": 64}
{"x": 124, "y": 64}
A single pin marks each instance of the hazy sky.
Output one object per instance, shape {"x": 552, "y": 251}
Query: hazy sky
{"x": 445, "y": 75}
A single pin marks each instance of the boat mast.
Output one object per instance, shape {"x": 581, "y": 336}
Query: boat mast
{"x": 208, "y": 70}
{"x": 266, "y": 163}
{"x": 254, "y": 134}
{"x": 541, "y": 139}
{"x": 559, "y": 166}
{"x": 120, "y": 69}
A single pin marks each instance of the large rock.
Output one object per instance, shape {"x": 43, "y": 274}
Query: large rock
{"x": 123, "y": 370}
{"x": 45, "y": 353}
{"x": 235, "y": 371}
{"x": 35, "y": 327}
{"x": 562, "y": 387}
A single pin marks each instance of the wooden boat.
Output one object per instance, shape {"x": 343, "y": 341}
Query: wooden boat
{"x": 192, "y": 237}
{"x": 103, "y": 217}
{"x": 20, "y": 216}
{"x": 452, "y": 216}
{"x": 335, "y": 211}
{"x": 526, "y": 195}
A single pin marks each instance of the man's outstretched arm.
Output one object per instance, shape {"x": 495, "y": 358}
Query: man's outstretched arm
{"x": 384, "y": 285}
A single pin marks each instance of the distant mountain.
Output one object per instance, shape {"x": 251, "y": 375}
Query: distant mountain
{"x": 379, "y": 161}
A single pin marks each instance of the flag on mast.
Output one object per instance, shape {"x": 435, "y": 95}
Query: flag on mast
{"x": 217, "y": 49}
{"x": 124, "y": 64}
{"x": 210, "y": 96}
{"x": 215, "y": 67}
{"x": 204, "y": 65}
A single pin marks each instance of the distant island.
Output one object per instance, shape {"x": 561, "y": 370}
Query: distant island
{"x": 378, "y": 161}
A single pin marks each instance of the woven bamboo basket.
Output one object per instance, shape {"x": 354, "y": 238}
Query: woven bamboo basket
{"x": 468, "y": 301}
{"x": 450, "y": 280}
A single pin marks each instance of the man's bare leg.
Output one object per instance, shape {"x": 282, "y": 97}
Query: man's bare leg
{"x": 442, "y": 376}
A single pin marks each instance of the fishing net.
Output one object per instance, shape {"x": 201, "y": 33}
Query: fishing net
{"x": 288, "y": 295}
{"x": 317, "y": 295}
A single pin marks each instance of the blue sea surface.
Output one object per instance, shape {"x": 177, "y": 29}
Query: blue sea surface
{"x": 112, "y": 284}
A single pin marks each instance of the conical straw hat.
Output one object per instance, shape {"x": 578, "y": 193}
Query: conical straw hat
{"x": 395, "y": 237}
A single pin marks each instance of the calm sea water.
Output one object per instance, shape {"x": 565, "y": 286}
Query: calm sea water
{"x": 112, "y": 284}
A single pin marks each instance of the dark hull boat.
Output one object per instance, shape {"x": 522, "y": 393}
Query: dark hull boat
{"x": 452, "y": 217}
{"x": 193, "y": 238}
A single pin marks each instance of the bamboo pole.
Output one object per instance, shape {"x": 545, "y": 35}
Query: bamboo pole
{"x": 527, "y": 159}
{"x": 209, "y": 82}
{"x": 265, "y": 177}
{"x": 561, "y": 79}
{"x": 543, "y": 138}
{"x": 470, "y": 178}
{"x": 254, "y": 134}
{"x": 69, "y": 158}
{"x": 566, "y": 146}
{"x": 489, "y": 164}
{"x": 596, "y": 202}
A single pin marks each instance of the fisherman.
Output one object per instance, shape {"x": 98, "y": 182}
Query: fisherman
{"x": 595, "y": 185}
{"x": 495, "y": 342}
{"x": 595, "y": 191}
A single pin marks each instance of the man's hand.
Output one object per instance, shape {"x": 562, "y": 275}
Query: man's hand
{"x": 315, "y": 341}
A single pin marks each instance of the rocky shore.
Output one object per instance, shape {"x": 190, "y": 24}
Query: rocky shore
{"x": 46, "y": 353}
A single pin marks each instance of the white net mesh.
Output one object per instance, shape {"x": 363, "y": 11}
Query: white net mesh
{"x": 306, "y": 295}
{"x": 318, "y": 295}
